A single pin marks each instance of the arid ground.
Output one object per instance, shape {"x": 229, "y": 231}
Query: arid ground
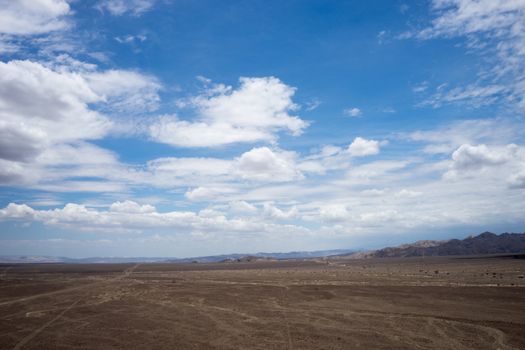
{"x": 410, "y": 303}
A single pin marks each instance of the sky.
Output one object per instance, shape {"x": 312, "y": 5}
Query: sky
{"x": 176, "y": 128}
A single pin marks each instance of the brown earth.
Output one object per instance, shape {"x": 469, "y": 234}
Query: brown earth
{"x": 410, "y": 303}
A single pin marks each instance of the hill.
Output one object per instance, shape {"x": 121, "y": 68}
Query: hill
{"x": 485, "y": 243}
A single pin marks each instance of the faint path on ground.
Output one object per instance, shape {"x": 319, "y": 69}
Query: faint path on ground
{"x": 126, "y": 273}
{"x": 4, "y": 273}
{"x": 286, "y": 321}
{"x": 36, "y": 332}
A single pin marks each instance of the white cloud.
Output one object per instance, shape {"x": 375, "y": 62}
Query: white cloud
{"x": 16, "y": 211}
{"x": 408, "y": 193}
{"x": 254, "y": 112}
{"x": 388, "y": 110}
{"x": 7, "y": 47}
{"x": 381, "y": 36}
{"x": 471, "y": 159}
{"x": 448, "y": 138}
{"x": 353, "y": 112}
{"x": 12, "y": 172}
{"x": 473, "y": 94}
{"x": 313, "y": 104}
{"x": 121, "y": 7}
{"x": 382, "y": 169}
{"x": 518, "y": 180}
{"x": 373, "y": 192}
{"x": 42, "y": 104}
{"x": 131, "y": 217}
{"x": 131, "y": 207}
{"x": 172, "y": 131}
{"x": 423, "y": 86}
{"x": 242, "y": 207}
{"x": 270, "y": 210}
{"x": 126, "y": 91}
{"x": 47, "y": 117}
{"x": 468, "y": 157}
{"x": 459, "y": 17}
{"x": 207, "y": 193}
{"x": 361, "y": 147}
{"x": 128, "y": 39}
{"x": 264, "y": 164}
{"x": 20, "y": 142}
{"x": 333, "y": 212}
{"x": 25, "y": 17}
{"x": 190, "y": 167}
{"x": 493, "y": 28}
{"x": 329, "y": 150}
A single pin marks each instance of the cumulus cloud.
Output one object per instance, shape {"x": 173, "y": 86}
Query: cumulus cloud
{"x": 131, "y": 217}
{"x": 264, "y": 164}
{"x": 20, "y": 142}
{"x": 48, "y": 117}
{"x": 128, "y": 206}
{"x": 122, "y": 7}
{"x": 46, "y": 105}
{"x": 256, "y": 111}
{"x": 172, "y": 131}
{"x": 361, "y": 147}
{"x": 22, "y": 17}
{"x": 468, "y": 157}
{"x": 332, "y": 158}
{"x": 472, "y": 158}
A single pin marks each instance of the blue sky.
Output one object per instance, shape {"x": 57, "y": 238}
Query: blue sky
{"x": 183, "y": 128}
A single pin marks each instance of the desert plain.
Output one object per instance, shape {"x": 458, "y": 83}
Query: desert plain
{"x": 390, "y": 303}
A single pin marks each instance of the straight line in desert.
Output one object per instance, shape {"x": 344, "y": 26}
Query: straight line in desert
{"x": 44, "y": 326}
{"x": 125, "y": 273}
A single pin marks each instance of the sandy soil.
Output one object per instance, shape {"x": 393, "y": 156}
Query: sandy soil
{"x": 413, "y": 303}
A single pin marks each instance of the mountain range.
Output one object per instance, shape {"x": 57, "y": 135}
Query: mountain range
{"x": 17, "y": 259}
{"x": 485, "y": 243}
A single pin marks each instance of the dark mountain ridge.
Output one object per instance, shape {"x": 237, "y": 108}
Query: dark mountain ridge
{"x": 485, "y": 243}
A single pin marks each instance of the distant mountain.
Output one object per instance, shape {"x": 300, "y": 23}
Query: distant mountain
{"x": 485, "y": 243}
{"x": 261, "y": 256}
{"x": 23, "y": 259}
{"x": 18, "y": 259}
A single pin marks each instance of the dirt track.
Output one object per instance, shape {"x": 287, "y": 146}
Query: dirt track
{"x": 432, "y": 303}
